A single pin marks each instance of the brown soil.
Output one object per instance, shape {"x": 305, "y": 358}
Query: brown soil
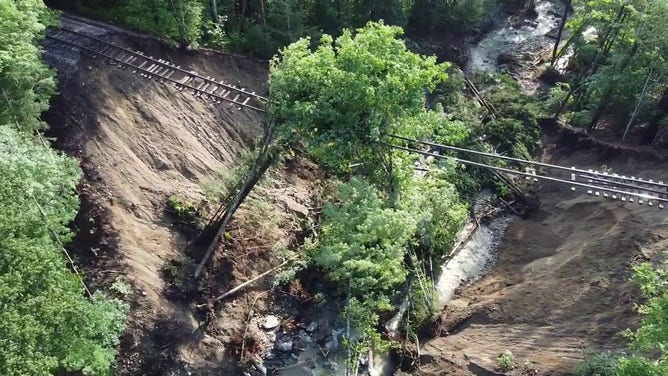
{"x": 561, "y": 286}
{"x": 139, "y": 142}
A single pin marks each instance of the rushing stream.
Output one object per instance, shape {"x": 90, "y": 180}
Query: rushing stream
{"x": 515, "y": 36}
{"x": 472, "y": 260}
{"x": 477, "y": 254}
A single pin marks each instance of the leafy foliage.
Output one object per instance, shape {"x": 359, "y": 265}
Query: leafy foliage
{"x": 457, "y": 16}
{"x": 619, "y": 71}
{"x": 363, "y": 243}
{"x": 515, "y": 131}
{"x": 179, "y": 20}
{"x": 439, "y": 214}
{"x": 505, "y": 361}
{"x": 26, "y": 84}
{"x": 384, "y": 93}
{"x": 187, "y": 212}
{"x": 368, "y": 232}
{"x": 46, "y": 323}
{"x": 603, "y": 364}
{"x": 649, "y": 341}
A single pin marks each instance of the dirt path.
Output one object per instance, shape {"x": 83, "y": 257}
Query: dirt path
{"x": 561, "y": 285}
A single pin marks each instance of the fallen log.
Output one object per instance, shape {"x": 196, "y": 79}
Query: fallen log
{"x": 245, "y": 284}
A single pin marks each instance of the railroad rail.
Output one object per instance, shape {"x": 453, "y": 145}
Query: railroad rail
{"x": 163, "y": 71}
{"x": 605, "y": 184}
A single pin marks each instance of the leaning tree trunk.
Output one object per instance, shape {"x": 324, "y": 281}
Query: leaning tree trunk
{"x": 265, "y": 158}
{"x": 560, "y": 32}
{"x": 641, "y": 98}
{"x": 653, "y": 129}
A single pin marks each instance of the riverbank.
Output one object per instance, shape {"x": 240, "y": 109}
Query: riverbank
{"x": 561, "y": 288}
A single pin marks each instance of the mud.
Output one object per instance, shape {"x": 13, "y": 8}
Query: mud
{"x": 561, "y": 287}
{"x": 139, "y": 142}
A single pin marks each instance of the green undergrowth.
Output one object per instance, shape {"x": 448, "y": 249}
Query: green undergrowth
{"x": 261, "y": 27}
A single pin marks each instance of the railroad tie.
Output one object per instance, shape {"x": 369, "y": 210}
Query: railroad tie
{"x": 204, "y": 87}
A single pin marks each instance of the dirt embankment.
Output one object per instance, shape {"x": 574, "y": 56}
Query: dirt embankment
{"x": 561, "y": 285}
{"x": 140, "y": 142}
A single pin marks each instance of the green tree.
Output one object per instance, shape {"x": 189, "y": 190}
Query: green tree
{"x": 620, "y": 63}
{"x": 26, "y": 84}
{"x": 459, "y": 16}
{"x": 363, "y": 243}
{"x": 650, "y": 357}
{"x": 46, "y": 323}
{"x": 179, "y": 20}
{"x": 351, "y": 92}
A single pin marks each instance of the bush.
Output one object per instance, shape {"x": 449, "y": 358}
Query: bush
{"x": 602, "y": 364}
{"x": 580, "y": 119}
{"x": 186, "y": 212}
{"x": 505, "y": 361}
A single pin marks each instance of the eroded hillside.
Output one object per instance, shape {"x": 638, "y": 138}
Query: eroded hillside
{"x": 140, "y": 142}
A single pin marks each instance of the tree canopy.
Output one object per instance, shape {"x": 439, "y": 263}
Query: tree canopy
{"x": 350, "y": 92}
{"x": 342, "y": 98}
{"x": 619, "y": 71}
{"x": 47, "y": 324}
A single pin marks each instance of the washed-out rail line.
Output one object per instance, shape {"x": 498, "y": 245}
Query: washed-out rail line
{"x": 611, "y": 192}
{"x": 636, "y": 182}
{"x": 162, "y": 70}
{"x": 607, "y": 184}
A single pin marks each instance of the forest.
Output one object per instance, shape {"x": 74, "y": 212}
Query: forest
{"x": 383, "y": 226}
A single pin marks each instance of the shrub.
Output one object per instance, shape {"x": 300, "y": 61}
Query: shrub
{"x": 185, "y": 211}
{"x": 505, "y": 361}
{"x": 602, "y": 364}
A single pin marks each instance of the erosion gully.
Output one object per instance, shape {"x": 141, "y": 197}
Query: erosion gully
{"x": 517, "y": 35}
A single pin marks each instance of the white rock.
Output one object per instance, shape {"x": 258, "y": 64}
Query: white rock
{"x": 271, "y": 322}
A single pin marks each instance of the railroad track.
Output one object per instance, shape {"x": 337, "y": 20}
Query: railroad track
{"x": 161, "y": 70}
{"x": 627, "y": 189}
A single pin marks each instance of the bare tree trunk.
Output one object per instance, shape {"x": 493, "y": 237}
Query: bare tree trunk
{"x": 264, "y": 159}
{"x": 214, "y": 11}
{"x": 561, "y": 30}
{"x": 638, "y": 104}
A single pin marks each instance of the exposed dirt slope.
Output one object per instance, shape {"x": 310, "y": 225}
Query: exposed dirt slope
{"x": 561, "y": 284}
{"x": 139, "y": 142}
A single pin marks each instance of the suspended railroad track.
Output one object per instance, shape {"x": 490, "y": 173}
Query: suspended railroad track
{"x": 161, "y": 70}
{"x": 604, "y": 184}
